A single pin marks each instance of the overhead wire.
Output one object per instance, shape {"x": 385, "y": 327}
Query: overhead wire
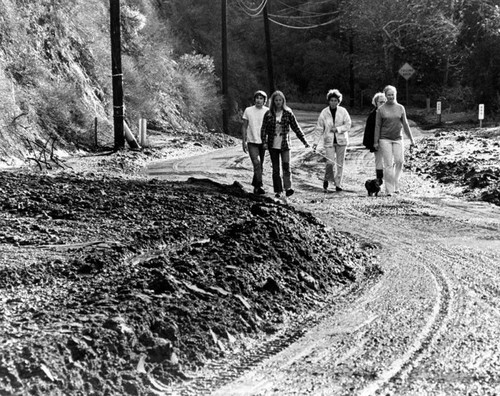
{"x": 252, "y": 12}
{"x": 302, "y": 16}
{"x": 255, "y": 11}
{"x": 315, "y": 13}
{"x": 298, "y": 20}
{"x": 303, "y": 27}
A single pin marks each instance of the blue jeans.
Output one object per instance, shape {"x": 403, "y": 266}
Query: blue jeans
{"x": 283, "y": 156}
{"x": 256, "y": 152}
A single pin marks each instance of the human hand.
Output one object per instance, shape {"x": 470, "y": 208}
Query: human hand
{"x": 245, "y": 147}
{"x": 375, "y": 146}
{"x": 264, "y": 146}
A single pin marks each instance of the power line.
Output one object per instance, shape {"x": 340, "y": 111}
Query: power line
{"x": 303, "y": 16}
{"x": 303, "y": 27}
{"x": 258, "y": 8}
{"x": 313, "y": 13}
{"x": 252, "y": 12}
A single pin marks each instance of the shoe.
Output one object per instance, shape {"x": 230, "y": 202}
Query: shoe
{"x": 259, "y": 191}
{"x": 339, "y": 188}
{"x": 289, "y": 192}
{"x": 325, "y": 185}
{"x": 277, "y": 195}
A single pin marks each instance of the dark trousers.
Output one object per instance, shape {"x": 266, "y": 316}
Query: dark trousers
{"x": 256, "y": 152}
{"x": 281, "y": 157}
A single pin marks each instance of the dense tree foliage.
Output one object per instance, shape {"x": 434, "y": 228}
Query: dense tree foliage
{"x": 55, "y": 75}
{"x": 357, "y": 46}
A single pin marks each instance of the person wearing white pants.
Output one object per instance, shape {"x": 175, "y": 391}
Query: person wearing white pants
{"x": 333, "y": 125}
{"x": 389, "y": 125}
{"x": 392, "y": 153}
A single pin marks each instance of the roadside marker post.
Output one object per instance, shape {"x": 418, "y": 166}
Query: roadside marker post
{"x": 143, "y": 131}
{"x": 438, "y": 111}
{"x": 406, "y": 71}
{"x": 481, "y": 115}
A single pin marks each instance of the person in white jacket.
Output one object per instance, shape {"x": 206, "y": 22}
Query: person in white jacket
{"x": 333, "y": 125}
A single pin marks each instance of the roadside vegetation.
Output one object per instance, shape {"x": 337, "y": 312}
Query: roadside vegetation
{"x": 55, "y": 75}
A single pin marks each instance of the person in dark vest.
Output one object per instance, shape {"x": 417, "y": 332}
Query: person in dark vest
{"x": 369, "y": 136}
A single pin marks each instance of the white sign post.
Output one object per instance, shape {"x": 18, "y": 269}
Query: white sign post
{"x": 406, "y": 71}
{"x": 481, "y": 115}
{"x": 438, "y": 111}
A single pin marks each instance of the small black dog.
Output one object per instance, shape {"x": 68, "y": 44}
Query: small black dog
{"x": 373, "y": 187}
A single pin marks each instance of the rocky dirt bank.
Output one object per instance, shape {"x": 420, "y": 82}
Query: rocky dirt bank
{"x": 467, "y": 161}
{"x": 118, "y": 285}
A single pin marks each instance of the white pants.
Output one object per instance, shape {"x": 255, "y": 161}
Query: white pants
{"x": 379, "y": 161}
{"x": 336, "y": 156}
{"x": 393, "y": 157}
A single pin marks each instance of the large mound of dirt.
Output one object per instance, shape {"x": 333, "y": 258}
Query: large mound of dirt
{"x": 469, "y": 159}
{"x": 108, "y": 286}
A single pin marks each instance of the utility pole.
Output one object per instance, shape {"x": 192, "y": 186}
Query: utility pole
{"x": 225, "y": 115}
{"x": 270, "y": 71}
{"x": 116, "y": 66}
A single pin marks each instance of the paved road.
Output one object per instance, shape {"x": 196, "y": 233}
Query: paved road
{"x": 430, "y": 326}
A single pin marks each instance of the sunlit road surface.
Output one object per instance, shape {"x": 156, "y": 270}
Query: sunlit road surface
{"x": 429, "y": 326}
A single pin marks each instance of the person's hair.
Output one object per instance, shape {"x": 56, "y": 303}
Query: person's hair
{"x": 334, "y": 93}
{"x": 390, "y": 88}
{"x": 260, "y": 93}
{"x": 375, "y": 98}
{"x": 272, "y": 106}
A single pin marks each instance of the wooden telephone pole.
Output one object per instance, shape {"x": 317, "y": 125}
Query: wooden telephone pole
{"x": 270, "y": 71}
{"x": 225, "y": 115}
{"x": 116, "y": 66}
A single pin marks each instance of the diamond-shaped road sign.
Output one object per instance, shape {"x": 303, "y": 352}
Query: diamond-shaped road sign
{"x": 406, "y": 71}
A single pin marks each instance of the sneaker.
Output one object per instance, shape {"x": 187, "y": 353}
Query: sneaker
{"x": 339, "y": 188}
{"x": 325, "y": 185}
{"x": 289, "y": 192}
{"x": 259, "y": 191}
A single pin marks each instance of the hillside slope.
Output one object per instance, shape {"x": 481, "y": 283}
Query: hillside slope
{"x": 55, "y": 77}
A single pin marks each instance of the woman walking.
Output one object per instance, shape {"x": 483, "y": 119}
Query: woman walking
{"x": 275, "y": 134}
{"x": 390, "y": 122}
{"x": 333, "y": 124}
{"x": 369, "y": 135}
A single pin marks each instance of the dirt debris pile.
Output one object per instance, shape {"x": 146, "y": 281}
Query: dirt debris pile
{"x": 470, "y": 159}
{"x": 114, "y": 287}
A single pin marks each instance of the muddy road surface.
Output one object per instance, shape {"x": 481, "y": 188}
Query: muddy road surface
{"x": 429, "y": 326}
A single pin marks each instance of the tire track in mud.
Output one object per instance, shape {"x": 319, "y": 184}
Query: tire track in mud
{"x": 485, "y": 287}
{"x": 216, "y": 375}
{"x": 401, "y": 368}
